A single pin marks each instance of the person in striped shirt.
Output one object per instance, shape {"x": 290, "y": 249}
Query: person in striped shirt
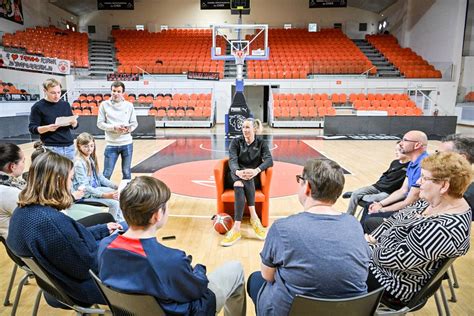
{"x": 408, "y": 247}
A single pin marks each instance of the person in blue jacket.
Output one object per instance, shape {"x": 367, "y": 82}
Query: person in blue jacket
{"x": 135, "y": 262}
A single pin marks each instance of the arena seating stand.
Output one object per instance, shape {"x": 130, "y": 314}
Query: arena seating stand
{"x": 52, "y": 42}
{"x": 407, "y": 61}
{"x": 295, "y": 53}
{"x": 180, "y": 106}
{"x": 175, "y": 51}
{"x": 9, "y": 92}
{"x": 311, "y": 106}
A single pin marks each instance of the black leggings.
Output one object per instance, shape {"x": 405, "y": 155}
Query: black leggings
{"x": 95, "y": 219}
{"x": 247, "y": 192}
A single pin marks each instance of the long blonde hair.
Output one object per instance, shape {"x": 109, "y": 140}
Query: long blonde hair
{"x": 256, "y": 123}
{"x": 84, "y": 139}
{"x": 48, "y": 182}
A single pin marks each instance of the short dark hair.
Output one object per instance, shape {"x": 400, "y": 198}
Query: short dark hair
{"x": 326, "y": 179}
{"x": 463, "y": 145}
{"x": 9, "y": 153}
{"x": 143, "y": 197}
{"x": 117, "y": 84}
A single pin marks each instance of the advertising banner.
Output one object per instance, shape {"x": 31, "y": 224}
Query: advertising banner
{"x": 35, "y": 63}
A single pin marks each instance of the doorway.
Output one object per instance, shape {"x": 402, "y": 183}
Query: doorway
{"x": 257, "y": 101}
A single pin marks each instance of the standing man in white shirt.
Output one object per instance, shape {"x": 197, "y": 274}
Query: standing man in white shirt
{"x": 117, "y": 118}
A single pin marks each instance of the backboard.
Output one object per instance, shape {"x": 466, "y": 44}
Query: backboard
{"x": 246, "y": 41}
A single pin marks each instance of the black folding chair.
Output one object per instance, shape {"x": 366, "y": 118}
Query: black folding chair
{"x": 127, "y": 304}
{"x": 419, "y": 299}
{"x": 18, "y": 263}
{"x": 362, "y": 305}
{"x": 47, "y": 284}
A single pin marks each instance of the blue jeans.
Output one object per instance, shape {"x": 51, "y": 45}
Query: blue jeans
{"x": 111, "y": 155}
{"x": 255, "y": 283}
{"x": 66, "y": 151}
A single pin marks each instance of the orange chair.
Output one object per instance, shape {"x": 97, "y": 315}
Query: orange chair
{"x": 226, "y": 197}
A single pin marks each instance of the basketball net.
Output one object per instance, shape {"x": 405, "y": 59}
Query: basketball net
{"x": 239, "y": 57}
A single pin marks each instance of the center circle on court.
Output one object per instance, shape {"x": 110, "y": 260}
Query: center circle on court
{"x": 196, "y": 178}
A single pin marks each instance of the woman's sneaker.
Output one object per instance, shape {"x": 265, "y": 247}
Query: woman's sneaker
{"x": 259, "y": 230}
{"x": 231, "y": 238}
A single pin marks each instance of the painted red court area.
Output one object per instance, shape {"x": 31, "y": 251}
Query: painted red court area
{"x": 196, "y": 178}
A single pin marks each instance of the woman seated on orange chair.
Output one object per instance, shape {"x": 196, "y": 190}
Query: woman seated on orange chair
{"x": 408, "y": 247}
{"x": 248, "y": 156}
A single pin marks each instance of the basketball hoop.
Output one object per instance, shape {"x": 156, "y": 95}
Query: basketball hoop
{"x": 239, "y": 57}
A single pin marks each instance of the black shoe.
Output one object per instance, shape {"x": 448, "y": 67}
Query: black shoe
{"x": 347, "y": 195}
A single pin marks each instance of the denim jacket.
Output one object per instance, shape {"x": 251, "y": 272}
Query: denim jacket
{"x": 81, "y": 178}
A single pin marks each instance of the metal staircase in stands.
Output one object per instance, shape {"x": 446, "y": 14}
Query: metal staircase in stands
{"x": 384, "y": 67}
{"x": 101, "y": 58}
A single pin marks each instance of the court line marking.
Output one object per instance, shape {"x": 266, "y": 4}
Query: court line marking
{"x": 152, "y": 154}
{"x": 329, "y": 157}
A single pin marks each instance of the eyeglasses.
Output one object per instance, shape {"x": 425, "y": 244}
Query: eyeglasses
{"x": 300, "y": 178}
{"x": 409, "y": 140}
{"x": 423, "y": 179}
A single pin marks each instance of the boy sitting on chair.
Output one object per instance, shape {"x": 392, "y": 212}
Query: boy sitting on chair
{"x": 135, "y": 262}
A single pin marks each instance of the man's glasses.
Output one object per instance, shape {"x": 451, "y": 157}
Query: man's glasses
{"x": 300, "y": 178}
{"x": 409, "y": 140}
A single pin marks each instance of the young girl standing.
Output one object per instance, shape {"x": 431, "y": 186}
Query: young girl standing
{"x": 87, "y": 176}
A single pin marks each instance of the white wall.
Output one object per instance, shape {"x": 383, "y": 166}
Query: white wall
{"x": 38, "y": 12}
{"x": 432, "y": 28}
{"x": 187, "y": 13}
{"x": 436, "y": 31}
{"x": 15, "y": 108}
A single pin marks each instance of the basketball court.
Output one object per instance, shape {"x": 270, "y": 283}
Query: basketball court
{"x": 185, "y": 160}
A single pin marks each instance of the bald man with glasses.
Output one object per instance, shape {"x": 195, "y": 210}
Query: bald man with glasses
{"x": 413, "y": 145}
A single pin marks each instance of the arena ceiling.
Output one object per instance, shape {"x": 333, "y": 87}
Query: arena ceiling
{"x": 79, "y": 8}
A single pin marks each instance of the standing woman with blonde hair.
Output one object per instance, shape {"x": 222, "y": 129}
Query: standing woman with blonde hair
{"x": 248, "y": 156}
{"x": 61, "y": 245}
{"x": 88, "y": 177}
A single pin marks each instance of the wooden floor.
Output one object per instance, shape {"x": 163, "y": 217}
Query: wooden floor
{"x": 190, "y": 219}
